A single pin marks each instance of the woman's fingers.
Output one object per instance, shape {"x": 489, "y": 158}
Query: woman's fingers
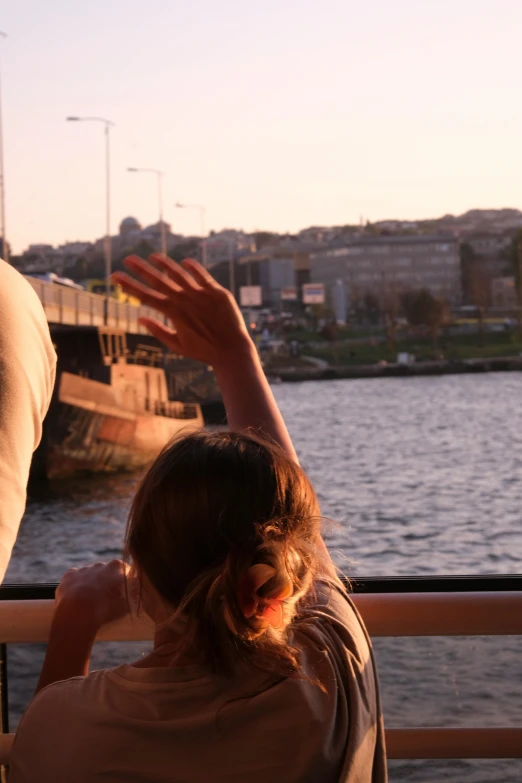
{"x": 146, "y": 295}
{"x": 175, "y": 272}
{"x": 162, "y": 333}
{"x": 156, "y": 280}
{"x": 198, "y": 272}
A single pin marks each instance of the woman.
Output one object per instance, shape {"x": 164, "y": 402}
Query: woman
{"x": 261, "y": 668}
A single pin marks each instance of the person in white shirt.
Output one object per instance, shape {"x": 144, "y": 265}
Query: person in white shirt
{"x": 27, "y": 374}
{"x": 261, "y": 668}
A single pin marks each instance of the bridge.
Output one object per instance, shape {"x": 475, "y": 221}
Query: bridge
{"x": 72, "y": 307}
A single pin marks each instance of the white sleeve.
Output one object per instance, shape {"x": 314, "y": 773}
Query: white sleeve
{"x": 27, "y": 373}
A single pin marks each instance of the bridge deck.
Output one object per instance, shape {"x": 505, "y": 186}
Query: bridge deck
{"x": 72, "y": 307}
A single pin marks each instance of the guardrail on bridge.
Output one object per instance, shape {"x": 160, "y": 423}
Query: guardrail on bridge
{"x": 72, "y": 307}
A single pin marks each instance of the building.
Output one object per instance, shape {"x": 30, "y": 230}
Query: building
{"x": 504, "y": 292}
{"x": 41, "y": 259}
{"x": 271, "y": 273}
{"x": 384, "y": 264}
{"x": 490, "y": 251}
{"x": 131, "y": 234}
{"x": 229, "y": 243}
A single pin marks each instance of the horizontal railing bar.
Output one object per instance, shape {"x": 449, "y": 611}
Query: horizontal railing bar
{"x": 402, "y": 614}
{"x": 461, "y": 743}
{"x": 441, "y": 614}
{"x": 372, "y": 584}
{"x": 30, "y": 621}
{"x": 437, "y": 584}
{"x": 422, "y": 743}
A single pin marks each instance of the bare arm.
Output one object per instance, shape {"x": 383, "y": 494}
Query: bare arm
{"x": 69, "y": 647}
{"x": 86, "y": 599}
{"x": 209, "y": 327}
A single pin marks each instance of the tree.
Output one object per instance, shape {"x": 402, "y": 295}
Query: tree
{"x": 421, "y": 308}
{"x": 372, "y": 307}
{"x": 513, "y": 256}
{"x": 262, "y": 238}
{"x": 468, "y": 262}
{"x": 480, "y": 296}
{"x": 330, "y": 332}
{"x": 4, "y": 247}
{"x": 390, "y": 307}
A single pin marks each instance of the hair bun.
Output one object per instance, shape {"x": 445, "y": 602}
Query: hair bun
{"x": 267, "y": 610}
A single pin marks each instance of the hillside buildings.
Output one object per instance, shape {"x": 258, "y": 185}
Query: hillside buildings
{"x": 391, "y": 264}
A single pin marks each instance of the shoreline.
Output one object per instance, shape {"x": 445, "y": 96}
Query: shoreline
{"x": 430, "y": 368}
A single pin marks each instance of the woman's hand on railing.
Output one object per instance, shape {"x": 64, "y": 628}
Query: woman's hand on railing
{"x": 86, "y": 599}
{"x": 208, "y": 325}
{"x": 99, "y": 592}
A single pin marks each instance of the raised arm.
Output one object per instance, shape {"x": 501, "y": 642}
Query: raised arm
{"x": 207, "y": 325}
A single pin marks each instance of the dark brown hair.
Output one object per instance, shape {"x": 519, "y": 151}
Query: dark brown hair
{"x": 212, "y": 505}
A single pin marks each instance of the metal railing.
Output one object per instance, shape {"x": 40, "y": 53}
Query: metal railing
{"x": 390, "y": 607}
{"x": 71, "y": 307}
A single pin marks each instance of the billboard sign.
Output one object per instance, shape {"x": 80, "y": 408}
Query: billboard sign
{"x": 250, "y": 296}
{"x": 313, "y": 293}
{"x": 289, "y": 294}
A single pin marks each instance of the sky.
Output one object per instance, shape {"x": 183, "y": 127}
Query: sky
{"x": 274, "y": 115}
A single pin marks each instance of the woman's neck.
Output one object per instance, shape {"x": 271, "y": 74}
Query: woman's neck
{"x": 169, "y": 636}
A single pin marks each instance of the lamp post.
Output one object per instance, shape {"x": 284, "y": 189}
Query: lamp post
{"x": 163, "y": 228}
{"x": 5, "y": 247}
{"x": 202, "y": 212}
{"x": 107, "y": 244}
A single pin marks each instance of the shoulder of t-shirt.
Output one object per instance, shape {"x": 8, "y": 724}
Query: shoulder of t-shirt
{"x": 327, "y": 612}
{"x": 327, "y": 595}
{"x": 54, "y": 695}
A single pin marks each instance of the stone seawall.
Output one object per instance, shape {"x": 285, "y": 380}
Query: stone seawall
{"x": 497, "y": 364}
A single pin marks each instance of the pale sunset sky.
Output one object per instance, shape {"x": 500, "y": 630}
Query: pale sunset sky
{"x": 275, "y": 115}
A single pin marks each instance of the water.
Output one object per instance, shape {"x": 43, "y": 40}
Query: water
{"x": 422, "y": 476}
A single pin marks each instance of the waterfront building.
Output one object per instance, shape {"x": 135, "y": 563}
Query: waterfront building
{"x": 269, "y": 271}
{"x": 490, "y": 250}
{"x": 384, "y": 264}
{"x": 504, "y": 292}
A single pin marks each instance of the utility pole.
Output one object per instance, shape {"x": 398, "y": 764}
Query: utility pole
{"x": 519, "y": 287}
{"x": 231, "y": 268}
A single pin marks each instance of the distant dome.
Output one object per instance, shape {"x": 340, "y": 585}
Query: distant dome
{"x": 129, "y": 224}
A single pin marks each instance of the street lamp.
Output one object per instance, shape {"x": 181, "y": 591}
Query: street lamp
{"x": 108, "y": 125}
{"x": 202, "y": 212}
{"x": 163, "y": 228}
{"x": 2, "y": 179}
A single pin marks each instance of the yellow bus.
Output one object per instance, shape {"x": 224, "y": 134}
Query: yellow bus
{"x": 99, "y": 287}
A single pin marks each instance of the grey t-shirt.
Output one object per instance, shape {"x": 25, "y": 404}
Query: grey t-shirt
{"x": 137, "y": 724}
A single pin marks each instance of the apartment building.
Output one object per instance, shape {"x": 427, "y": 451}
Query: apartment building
{"x": 384, "y": 264}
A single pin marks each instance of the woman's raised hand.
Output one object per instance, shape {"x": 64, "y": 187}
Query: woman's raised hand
{"x": 207, "y": 323}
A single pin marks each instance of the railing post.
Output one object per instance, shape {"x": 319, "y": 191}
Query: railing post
{"x": 4, "y": 702}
